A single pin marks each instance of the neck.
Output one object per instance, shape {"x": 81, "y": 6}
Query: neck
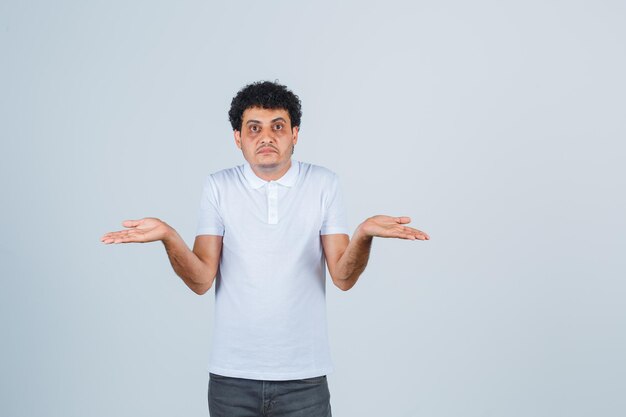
{"x": 271, "y": 172}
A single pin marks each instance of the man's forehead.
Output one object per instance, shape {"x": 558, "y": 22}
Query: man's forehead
{"x": 265, "y": 115}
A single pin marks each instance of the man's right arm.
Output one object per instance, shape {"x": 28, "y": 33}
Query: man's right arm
{"x": 197, "y": 267}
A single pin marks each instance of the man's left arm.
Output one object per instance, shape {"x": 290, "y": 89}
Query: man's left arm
{"x": 347, "y": 258}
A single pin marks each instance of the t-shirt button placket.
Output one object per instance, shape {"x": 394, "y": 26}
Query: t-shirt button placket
{"x": 272, "y": 203}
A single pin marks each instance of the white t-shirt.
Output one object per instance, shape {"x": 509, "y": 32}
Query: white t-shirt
{"x": 270, "y": 305}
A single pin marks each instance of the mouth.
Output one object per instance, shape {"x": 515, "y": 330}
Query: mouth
{"x": 267, "y": 149}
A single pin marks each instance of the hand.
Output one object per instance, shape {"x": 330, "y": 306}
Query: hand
{"x": 387, "y": 226}
{"x": 145, "y": 230}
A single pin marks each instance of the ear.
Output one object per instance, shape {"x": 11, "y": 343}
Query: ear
{"x": 295, "y": 131}
{"x": 237, "y": 135}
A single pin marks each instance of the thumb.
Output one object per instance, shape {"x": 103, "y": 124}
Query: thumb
{"x": 131, "y": 223}
{"x": 403, "y": 220}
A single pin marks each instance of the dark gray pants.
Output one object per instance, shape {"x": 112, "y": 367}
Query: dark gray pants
{"x": 238, "y": 397}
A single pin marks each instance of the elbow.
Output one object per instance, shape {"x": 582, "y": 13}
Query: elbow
{"x": 344, "y": 284}
{"x": 204, "y": 285}
{"x": 201, "y": 290}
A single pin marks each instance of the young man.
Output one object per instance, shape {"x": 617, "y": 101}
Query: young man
{"x": 266, "y": 231}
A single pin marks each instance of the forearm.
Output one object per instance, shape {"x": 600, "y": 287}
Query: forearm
{"x": 196, "y": 274}
{"x": 354, "y": 260}
{"x": 347, "y": 259}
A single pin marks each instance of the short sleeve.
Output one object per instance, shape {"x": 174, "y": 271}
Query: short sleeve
{"x": 334, "y": 220}
{"x": 209, "y": 219}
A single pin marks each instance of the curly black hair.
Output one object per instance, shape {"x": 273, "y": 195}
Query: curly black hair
{"x": 268, "y": 95}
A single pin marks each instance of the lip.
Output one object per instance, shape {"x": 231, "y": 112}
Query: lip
{"x": 267, "y": 149}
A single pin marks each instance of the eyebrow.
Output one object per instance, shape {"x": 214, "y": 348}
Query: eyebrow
{"x": 272, "y": 121}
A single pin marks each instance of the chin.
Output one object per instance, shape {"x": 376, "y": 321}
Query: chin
{"x": 268, "y": 165}
{"x": 272, "y": 162}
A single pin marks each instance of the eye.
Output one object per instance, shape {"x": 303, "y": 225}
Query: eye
{"x": 278, "y": 127}
{"x": 254, "y": 128}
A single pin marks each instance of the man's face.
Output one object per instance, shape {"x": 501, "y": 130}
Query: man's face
{"x": 266, "y": 138}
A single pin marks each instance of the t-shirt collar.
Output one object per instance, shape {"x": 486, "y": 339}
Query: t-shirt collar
{"x": 288, "y": 180}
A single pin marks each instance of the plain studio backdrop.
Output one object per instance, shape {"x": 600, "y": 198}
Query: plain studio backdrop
{"x": 497, "y": 126}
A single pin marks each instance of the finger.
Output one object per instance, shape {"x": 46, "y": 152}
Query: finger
{"x": 398, "y": 233}
{"x": 109, "y": 235}
{"x": 126, "y": 239}
{"x": 414, "y": 236}
{"x": 118, "y": 240}
{"x": 416, "y": 232}
{"x": 123, "y": 236}
{"x": 411, "y": 234}
{"x": 134, "y": 238}
{"x": 422, "y": 235}
{"x": 403, "y": 220}
{"x": 131, "y": 223}
{"x": 111, "y": 238}
{"x": 117, "y": 233}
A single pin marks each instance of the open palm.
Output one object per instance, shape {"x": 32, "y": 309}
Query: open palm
{"x": 392, "y": 227}
{"x": 145, "y": 230}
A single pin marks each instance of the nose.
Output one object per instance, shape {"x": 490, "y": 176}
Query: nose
{"x": 267, "y": 138}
